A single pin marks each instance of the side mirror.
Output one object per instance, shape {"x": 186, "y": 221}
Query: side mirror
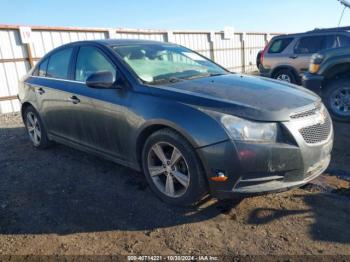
{"x": 102, "y": 79}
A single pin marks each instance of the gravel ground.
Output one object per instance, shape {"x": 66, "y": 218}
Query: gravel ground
{"x": 62, "y": 201}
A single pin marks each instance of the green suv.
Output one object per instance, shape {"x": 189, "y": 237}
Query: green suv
{"x": 329, "y": 76}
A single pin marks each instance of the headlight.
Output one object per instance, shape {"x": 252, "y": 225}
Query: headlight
{"x": 313, "y": 68}
{"x": 315, "y": 63}
{"x": 244, "y": 130}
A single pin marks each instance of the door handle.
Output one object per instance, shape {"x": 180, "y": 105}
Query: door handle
{"x": 41, "y": 91}
{"x": 74, "y": 100}
{"x": 293, "y": 56}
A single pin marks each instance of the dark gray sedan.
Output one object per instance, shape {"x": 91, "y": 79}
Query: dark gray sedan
{"x": 191, "y": 126}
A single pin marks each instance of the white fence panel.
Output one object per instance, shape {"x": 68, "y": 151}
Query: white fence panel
{"x": 234, "y": 54}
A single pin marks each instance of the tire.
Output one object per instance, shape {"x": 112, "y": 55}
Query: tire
{"x": 188, "y": 165}
{"x": 331, "y": 97}
{"x": 285, "y": 75}
{"x": 35, "y": 128}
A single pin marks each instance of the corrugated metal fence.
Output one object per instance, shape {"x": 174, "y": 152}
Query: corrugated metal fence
{"x": 237, "y": 54}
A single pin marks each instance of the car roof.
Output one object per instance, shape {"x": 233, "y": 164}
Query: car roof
{"x": 316, "y": 32}
{"x": 116, "y": 42}
{"x": 107, "y": 42}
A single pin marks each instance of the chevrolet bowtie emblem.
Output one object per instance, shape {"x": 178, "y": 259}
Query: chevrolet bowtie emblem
{"x": 321, "y": 117}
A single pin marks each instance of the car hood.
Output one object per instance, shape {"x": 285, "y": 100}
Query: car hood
{"x": 249, "y": 97}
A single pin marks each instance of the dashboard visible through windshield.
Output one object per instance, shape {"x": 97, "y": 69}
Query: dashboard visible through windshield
{"x": 156, "y": 64}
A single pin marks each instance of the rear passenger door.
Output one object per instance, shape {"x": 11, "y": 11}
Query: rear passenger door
{"x": 304, "y": 49}
{"x": 55, "y": 94}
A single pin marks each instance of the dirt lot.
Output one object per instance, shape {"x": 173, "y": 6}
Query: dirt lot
{"x": 62, "y": 201}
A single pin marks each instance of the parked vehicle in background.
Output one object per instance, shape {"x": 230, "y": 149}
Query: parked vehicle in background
{"x": 287, "y": 57}
{"x": 191, "y": 126}
{"x": 329, "y": 76}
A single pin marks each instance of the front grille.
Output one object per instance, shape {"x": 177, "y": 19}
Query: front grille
{"x": 317, "y": 133}
{"x": 306, "y": 113}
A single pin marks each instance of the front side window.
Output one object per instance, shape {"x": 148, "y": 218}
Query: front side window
{"x": 90, "y": 60}
{"x": 279, "y": 45}
{"x": 59, "y": 64}
{"x": 156, "y": 63}
{"x": 331, "y": 42}
{"x": 310, "y": 45}
{"x": 343, "y": 40}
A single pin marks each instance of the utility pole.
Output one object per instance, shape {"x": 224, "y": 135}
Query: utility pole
{"x": 346, "y": 4}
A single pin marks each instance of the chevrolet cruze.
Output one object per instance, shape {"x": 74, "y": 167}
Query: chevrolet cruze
{"x": 189, "y": 125}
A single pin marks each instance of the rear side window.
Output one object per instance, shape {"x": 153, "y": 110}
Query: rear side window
{"x": 279, "y": 45}
{"x": 59, "y": 64}
{"x": 310, "y": 45}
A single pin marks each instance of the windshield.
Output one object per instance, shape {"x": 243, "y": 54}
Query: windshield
{"x": 156, "y": 63}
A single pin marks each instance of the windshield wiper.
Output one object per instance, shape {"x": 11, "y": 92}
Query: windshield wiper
{"x": 205, "y": 75}
{"x": 166, "y": 80}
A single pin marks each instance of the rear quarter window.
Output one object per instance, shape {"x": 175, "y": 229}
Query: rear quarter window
{"x": 279, "y": 45}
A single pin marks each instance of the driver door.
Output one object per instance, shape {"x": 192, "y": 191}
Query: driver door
{"x": 104, "y": 120}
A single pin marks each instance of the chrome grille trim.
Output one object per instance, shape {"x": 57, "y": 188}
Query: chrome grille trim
{"x": 306, "y": 113}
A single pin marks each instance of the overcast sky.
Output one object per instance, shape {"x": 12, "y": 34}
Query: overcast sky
{"x": 243, "y": 15}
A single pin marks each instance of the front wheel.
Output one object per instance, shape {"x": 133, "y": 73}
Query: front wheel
{"x": 337, "y": 99}
{"x": 173, "y": 169}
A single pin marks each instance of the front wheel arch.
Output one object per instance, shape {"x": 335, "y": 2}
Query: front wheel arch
{"x": 329, "y": 87}
{"x": 196, "y": 162}
{"x": 153, "y": 127}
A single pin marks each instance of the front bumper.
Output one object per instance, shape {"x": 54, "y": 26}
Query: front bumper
{"x": 262, "y": 168}
{"x": 313, "y": 82}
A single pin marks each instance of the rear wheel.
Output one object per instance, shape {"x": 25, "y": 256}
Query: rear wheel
{"x": 285, "y": 75}
{"x": 337, "y": 99}
{"x": 35, "y": 128}
{"x": 173, "y": 169}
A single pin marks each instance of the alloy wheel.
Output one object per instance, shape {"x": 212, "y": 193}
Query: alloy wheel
{"x": 284, "y": 77}
{"x": 33, "y": 127}
{"x": 168, "y": 169}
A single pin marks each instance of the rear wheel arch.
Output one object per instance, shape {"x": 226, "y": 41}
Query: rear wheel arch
{"x": 24, "y": 107}
{"x": 282, "y": 68}
{"x": 40, "y": 140}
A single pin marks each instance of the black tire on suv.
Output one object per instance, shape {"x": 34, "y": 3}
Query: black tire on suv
{"x": 285, "y": 75}
{"x": 336, "y": 96}
{"x": 184, "y": 171}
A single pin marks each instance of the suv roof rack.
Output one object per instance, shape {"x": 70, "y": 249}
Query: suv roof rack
{"x": 334, "y": 29}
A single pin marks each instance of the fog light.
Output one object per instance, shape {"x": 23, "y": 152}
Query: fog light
{"x": 220, "y": 177}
